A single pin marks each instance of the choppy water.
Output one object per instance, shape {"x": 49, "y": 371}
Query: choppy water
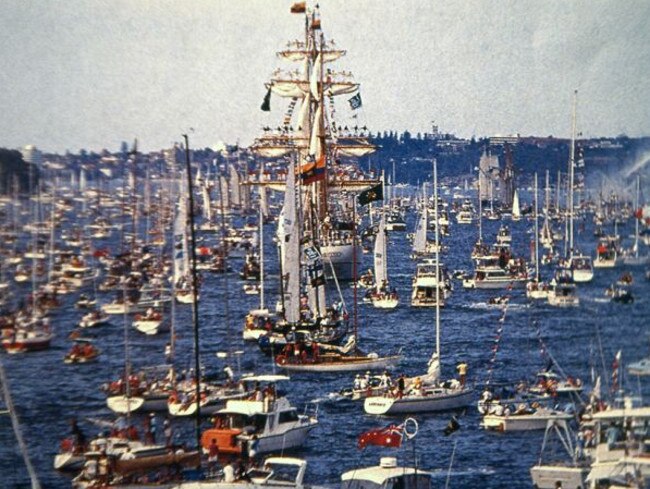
{"x": 48, "y": 393}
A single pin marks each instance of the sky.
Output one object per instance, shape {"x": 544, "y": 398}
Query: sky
{"x": 93, "y": 73}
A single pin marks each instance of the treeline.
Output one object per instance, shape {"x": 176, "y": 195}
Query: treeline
{"x": 15, "y": 172}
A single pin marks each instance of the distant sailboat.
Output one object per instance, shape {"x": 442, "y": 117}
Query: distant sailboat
{"x": 516, "y": 211}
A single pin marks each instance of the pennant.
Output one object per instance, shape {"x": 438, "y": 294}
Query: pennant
{"x": 390, "y": 436}
{"x": 371, "y": 195}
{"x": 452, "y": 426}
{"x": 299, "y": 8}
{"x": 355, "y": 102}
{"x": 266, "y": 104}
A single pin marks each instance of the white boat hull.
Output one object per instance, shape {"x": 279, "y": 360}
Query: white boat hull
{"x": 69, "y": 461}
{"x": 342, "y": 259}
{"x": 385, "y": 303}
{"x": 642, "y": 367}
{"x": 444, "y": 400}
{"x": 547, "y": 476}
{"x": 522, "y": 422}
{"x": 582, "y": 276}
{"x": 123, "y": 404}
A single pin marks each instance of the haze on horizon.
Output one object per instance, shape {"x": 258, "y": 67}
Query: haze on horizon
{"x": 92, "y": 73}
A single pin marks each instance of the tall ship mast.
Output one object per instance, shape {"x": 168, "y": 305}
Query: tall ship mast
{"x": 314, "y": 141}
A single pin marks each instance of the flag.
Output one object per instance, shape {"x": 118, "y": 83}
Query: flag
{"x": 312, "y": 170}
{"x": 266, "y": 105}
{"x": 452, "y": 426}
{"x": 391, "y": 436}
{"x": 355, "y": 102}
{"x": 372, "y": 194}
{"x": 299, "y": 8}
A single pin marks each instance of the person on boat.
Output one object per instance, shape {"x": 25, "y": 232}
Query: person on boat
{"x": 364, "y": 383}
{"x": 213, "y": 456}
{"x": 417, "y": 386}
{"x": 168, "y": 432}
{"x": 400, "y": 386}
{"x": 253, "y": 446}
{"x": 462, "y": 373}
{"x": 78, "y": 436}
{"x": 385, "y": 381}
{"x": 229, "y": 473}
{"x": 357, "y": 383}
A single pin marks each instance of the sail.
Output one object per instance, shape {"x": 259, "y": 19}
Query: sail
{"x": 225, "y": 195}
{"x": 82, "y": 180}
{"x": 207, "y": 206}
{"x": 179, "y": 231}
{"x": 235, "y": 189}
{"x": 420, "y": 240}
{"x": 315, "y": 77}
{"x": 291, "y": 248}
{"x": 516, "y": 212}
{"x": 356, "y": 150}
{"x": 381, "y": 275}
{"x": 433, "y": 372}
{"x": 299, "y": 88}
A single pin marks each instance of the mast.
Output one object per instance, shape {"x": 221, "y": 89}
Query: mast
{"x": 536, "y": 233}
{"x": 437, "y": 251}
{"x": 195, "y": 289}
{"x": 572, "y": 155}
{"x": 261, "y": 258}
{"x": 636, "y": 221}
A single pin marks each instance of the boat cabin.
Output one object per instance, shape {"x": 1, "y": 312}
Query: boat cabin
{"x": 387, "y": 475}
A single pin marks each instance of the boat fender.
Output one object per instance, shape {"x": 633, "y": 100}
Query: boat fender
{"x": 282, "y": 359}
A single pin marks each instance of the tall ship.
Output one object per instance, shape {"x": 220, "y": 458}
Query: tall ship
{"x": 319, "y": 143}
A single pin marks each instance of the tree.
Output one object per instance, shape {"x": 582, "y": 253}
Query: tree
{"x": 14, "y": 169}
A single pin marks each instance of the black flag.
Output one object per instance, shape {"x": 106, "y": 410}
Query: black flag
{"x": 266, "y": 105}
{"x": 372, "y": 194}
{"x": 452, "y": 426}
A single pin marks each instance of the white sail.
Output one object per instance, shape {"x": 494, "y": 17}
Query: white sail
{"x": 225, "y": 194}
{"x": 433, "y": 370}
{"x": 381, "y": 274}
{"x": 291, "y": 248}
{"x": 516, "y": 211}
{"x": 299, "y": 88}
{"x": 314, "y": 143}
{"x": 207, "y": 205}
{"x": 420, "y": 240}
{"x": 315, "y": 77}
{"x": 303, "y": 116}
{"x": 235, "y": 188}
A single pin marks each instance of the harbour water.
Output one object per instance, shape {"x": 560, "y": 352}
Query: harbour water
{"x": 49, "y": 393}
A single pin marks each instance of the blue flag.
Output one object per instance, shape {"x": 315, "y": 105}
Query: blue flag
{"x": 355, "y": 102}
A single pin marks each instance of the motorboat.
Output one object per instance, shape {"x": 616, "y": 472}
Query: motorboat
{"x": 265, "y": 416}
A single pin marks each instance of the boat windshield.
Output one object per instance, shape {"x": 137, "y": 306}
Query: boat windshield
{"x": 410, "y": 481}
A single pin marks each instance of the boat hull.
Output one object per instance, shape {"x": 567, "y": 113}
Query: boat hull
{"x": 366, "y": 363}
{"x": 123, "y": 404}
{"x": 547, "y": 476}
{"x": 445, "y": 400}
{"x": 342, "y": 259}
{"x": 521, "y": 422}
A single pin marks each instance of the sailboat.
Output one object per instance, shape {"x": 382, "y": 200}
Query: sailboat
{"x": 536, "y": 289}
{"x": 382, "y": 297}
{"x": 633, "y": 258}
{"x": 426, "y": 393}
{"x": 516, "y": 211}
{"x": 580, "y": 265}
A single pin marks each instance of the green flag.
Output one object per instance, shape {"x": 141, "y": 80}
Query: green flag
{"x": 372, "y": 194}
